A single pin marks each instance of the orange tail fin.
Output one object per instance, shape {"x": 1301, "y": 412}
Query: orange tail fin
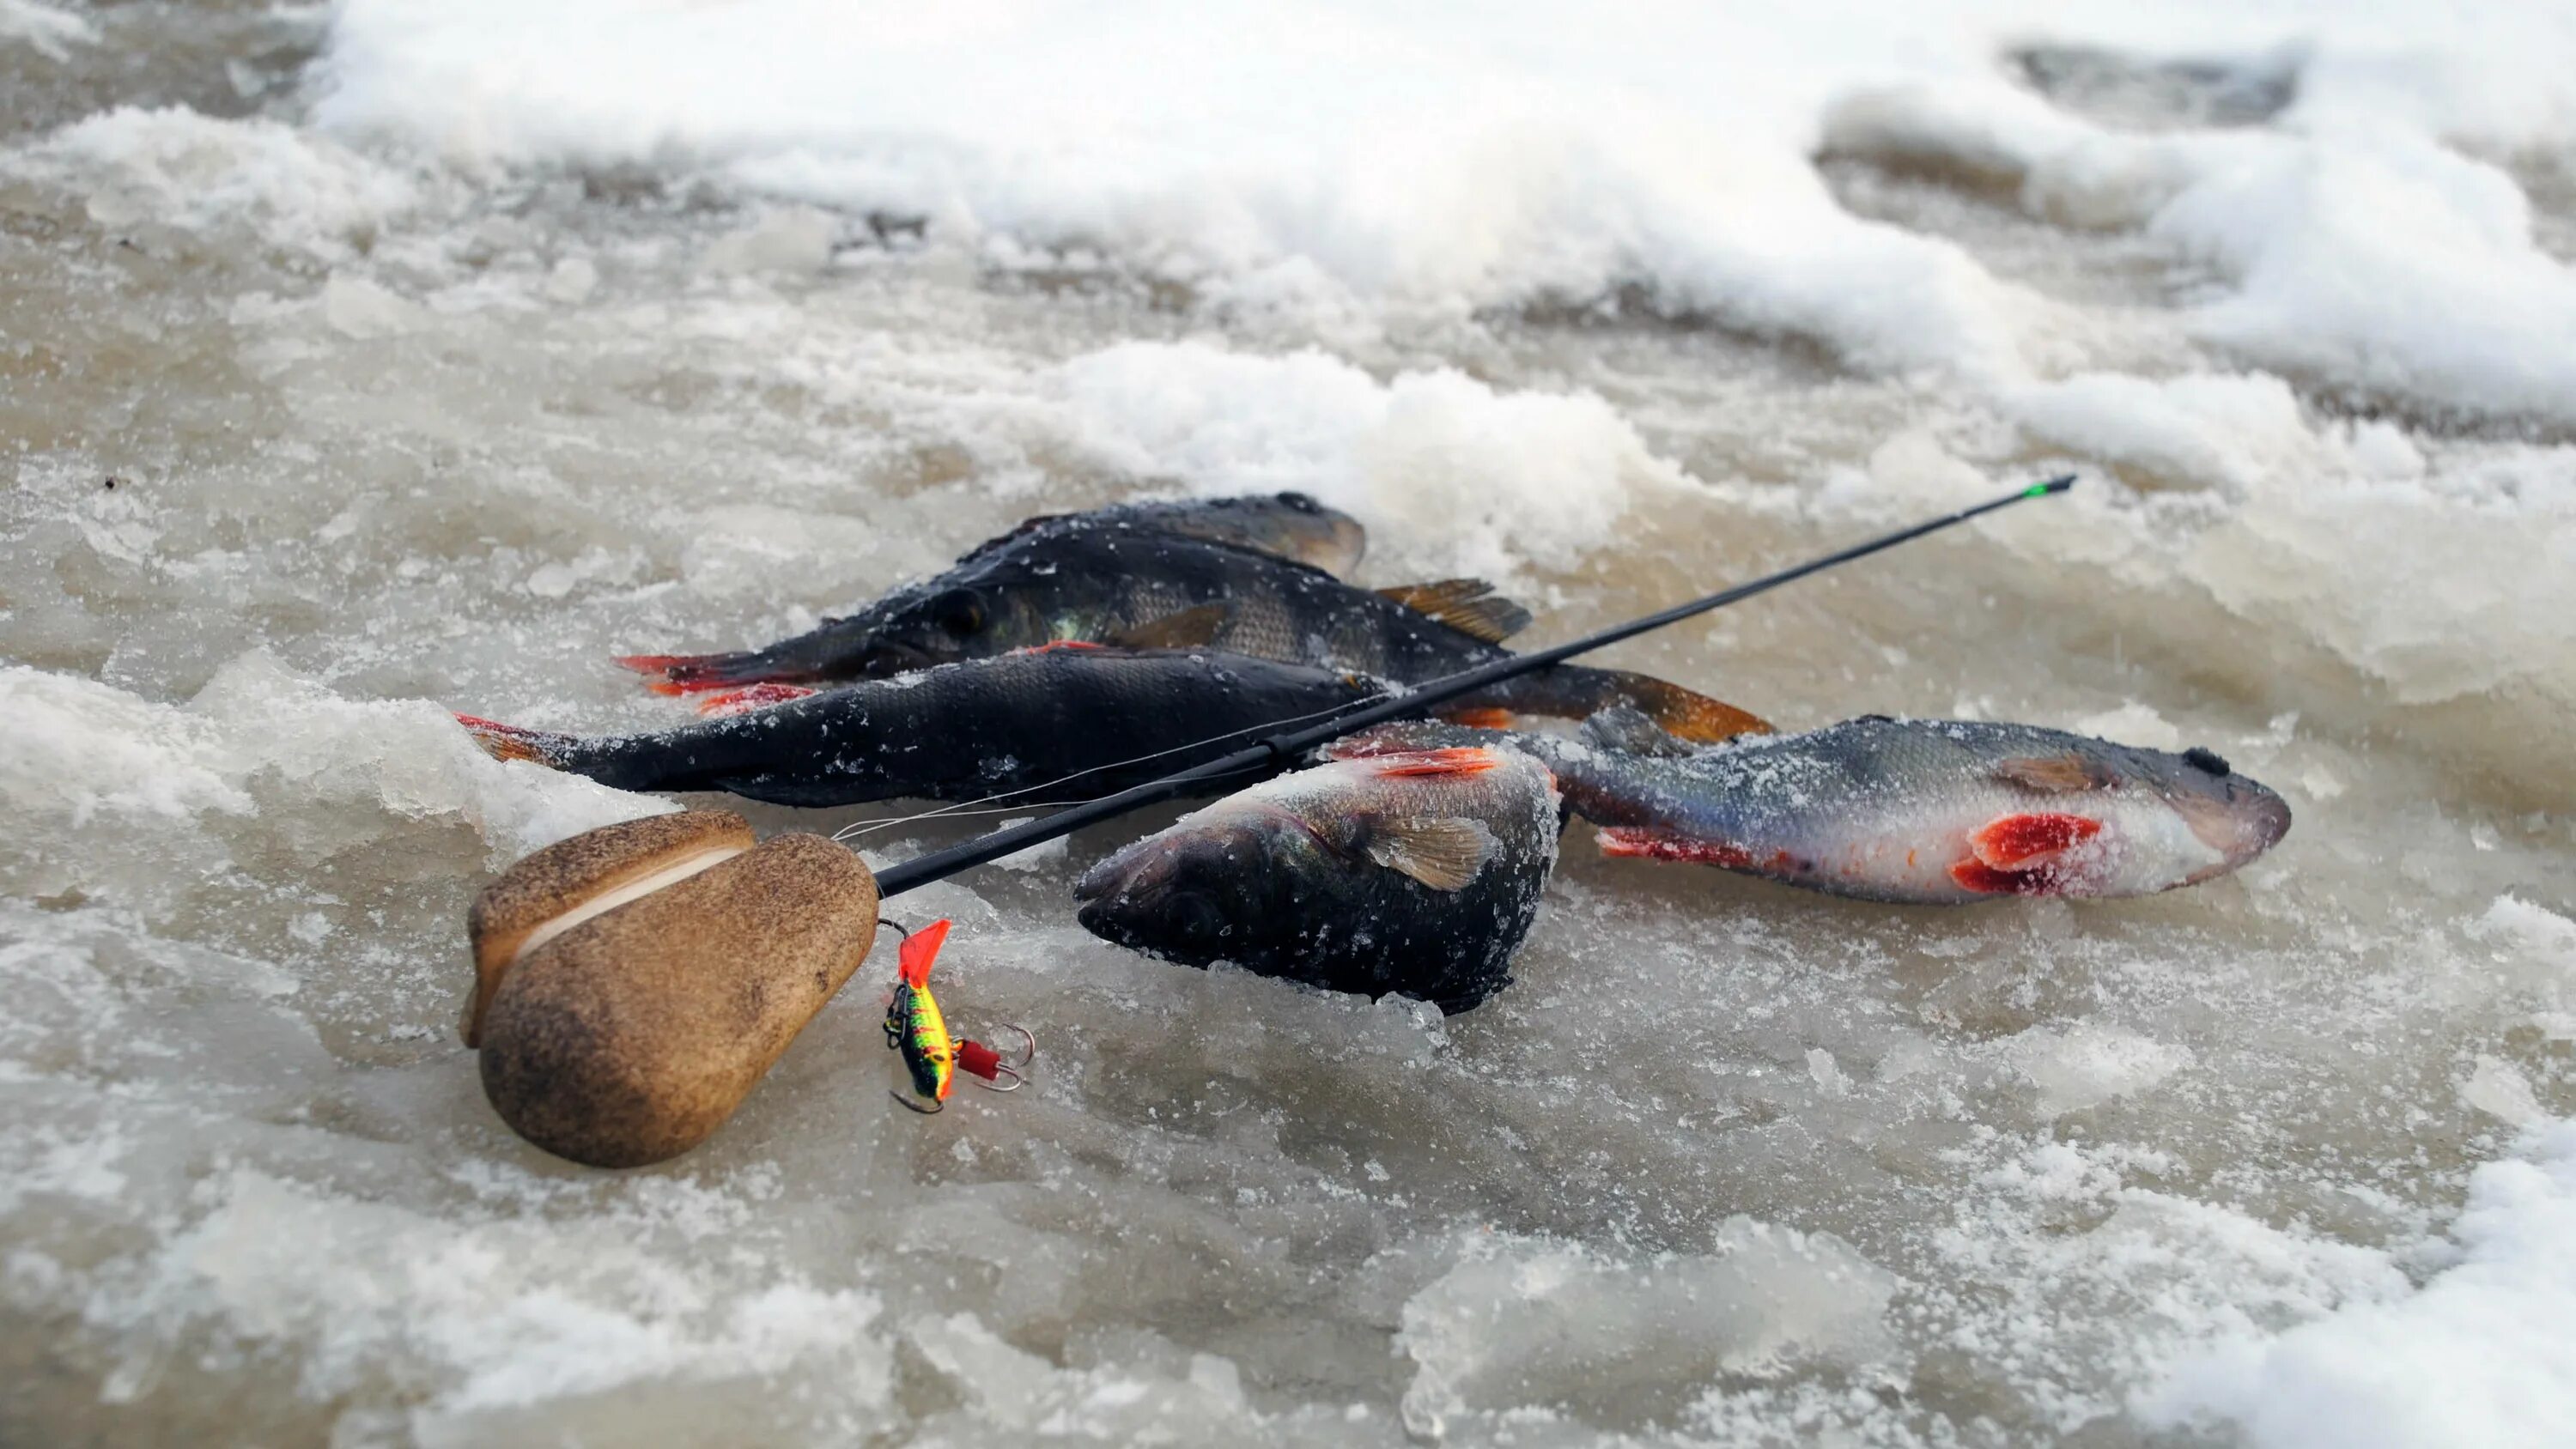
{"x": 918, "y": 950}
{"x": 1576, "y": 691}
{"x": 1686, "y": 713}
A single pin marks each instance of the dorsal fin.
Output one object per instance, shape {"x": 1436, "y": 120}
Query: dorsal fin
{"x": 1627, "y": 730}
{"x": 917, "y": 952}
{"x": 1469, "y": 606}
{"x": 2059, "y": 774}
{"x": 1447, "y": 760}
{"x": 1443, "y": 854}
{"x": 1193, "y": 628}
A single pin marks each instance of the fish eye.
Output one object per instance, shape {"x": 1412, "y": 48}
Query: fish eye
{"x": 1301, "y": 502}
{"x": 959, "y": 611}
{"x": 1194, "y": 915}
{"x": 2208, "y": 762}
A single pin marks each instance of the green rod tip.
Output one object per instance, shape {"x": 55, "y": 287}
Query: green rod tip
{"x": 2053, "y": 485}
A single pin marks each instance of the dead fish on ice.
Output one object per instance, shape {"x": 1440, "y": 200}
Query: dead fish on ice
{"x": 1929, "y": 811}
{"x": 1416, "y": 874}
{"x": 1107, "y": 717}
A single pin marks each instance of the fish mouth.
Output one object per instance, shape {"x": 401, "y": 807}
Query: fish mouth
{"x": 1144, "y": 905}
{"x": 885, "y": 658}
{"x": 2249, "y": 821}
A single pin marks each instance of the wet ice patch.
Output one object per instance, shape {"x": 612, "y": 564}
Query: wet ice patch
{"x": 118, "y": 780}
{"x": 487, "y": 1316}
{"x": 175, "y": 168}
{"x": 51, "y": 32}
{"x": 2085, "y": 1065}
{"x": 1521, "y": 1325}
{"x": 1013, "y": 1390}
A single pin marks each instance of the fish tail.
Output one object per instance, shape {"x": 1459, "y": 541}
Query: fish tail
{"x": 917, "y": 952}
{"x": 691, "y": 673}
{"x": 750, "y": 697}
{"x": 510, "y": 742}
{"x": 1573, "y": 691}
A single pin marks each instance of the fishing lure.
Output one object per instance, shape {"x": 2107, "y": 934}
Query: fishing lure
{"x": 914, "y": 1027}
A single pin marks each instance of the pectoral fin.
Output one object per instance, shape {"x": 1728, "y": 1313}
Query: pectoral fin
{"x": 1642, "y": 842}
{"x": 1444, "y": 854}
{"x": 2062, "y": 774}
{"x": 1189, "y": 629}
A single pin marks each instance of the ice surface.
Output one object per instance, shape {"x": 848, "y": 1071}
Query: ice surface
{"x": 502, "y": 339}
{"x": 2481, "y": 1355}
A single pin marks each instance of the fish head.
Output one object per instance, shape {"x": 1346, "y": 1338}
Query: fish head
{"x": 920, "y": 627}
{"x": 1299, "y": 527}
{"x": 2234, "y": 815}
{"x": 1202, "y": 891}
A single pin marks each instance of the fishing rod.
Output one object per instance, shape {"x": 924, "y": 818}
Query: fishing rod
{"x": 1277, "y": 749}
{"x": 633, "y": 983}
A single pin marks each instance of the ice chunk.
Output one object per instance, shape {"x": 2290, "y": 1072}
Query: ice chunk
{"x": 176, "y": 168}
{"x": 1524, "y": 1323}
{"x": 2086, "y": 1064}
{"x": 1497, "y": 477}
{"x": 2479, "y": 1356}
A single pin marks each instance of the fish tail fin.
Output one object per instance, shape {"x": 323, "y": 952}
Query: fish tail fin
{"x": 750, "y": 697}
{"x": 1685, "y": 713}
{"x": 1573, "y": 691}
{"x": 691, "y": 673}
{"x": 920, "y": 949}
{"x": 510, "y": 742}
{"x": 1626, "y": 729}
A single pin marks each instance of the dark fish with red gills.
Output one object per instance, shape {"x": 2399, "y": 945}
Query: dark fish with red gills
{"x": 1120, "y": 583}
{"x": 1106, "y": 718}
{"x": 1289, "y": 526}
{"x": 1925, "y": 811}
{"x": 1413, "y": 874}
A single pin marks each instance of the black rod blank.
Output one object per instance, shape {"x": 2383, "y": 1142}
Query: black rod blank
{"x": 1278, "y": 749}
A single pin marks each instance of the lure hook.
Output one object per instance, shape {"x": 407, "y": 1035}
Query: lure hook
{"x": 930, "y": 1111}
{"x": 991, "y": 1067}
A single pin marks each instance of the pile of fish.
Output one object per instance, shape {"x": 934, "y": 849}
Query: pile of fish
{"x": 1083, "y": 653}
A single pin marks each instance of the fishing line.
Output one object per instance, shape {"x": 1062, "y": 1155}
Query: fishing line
{"x": 1277, "y": 749}
{"x": 858, "y": 828}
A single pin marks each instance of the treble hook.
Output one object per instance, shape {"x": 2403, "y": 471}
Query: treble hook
{"x": 1016, "y": 1071}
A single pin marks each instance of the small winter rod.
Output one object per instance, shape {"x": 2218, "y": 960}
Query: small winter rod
{"x": 894, "y": 880}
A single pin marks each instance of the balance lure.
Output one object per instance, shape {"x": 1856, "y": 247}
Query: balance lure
{"x": 915, "y": 1028}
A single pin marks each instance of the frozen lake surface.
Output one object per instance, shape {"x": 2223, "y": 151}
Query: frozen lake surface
{"x": 365, "y": 361}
